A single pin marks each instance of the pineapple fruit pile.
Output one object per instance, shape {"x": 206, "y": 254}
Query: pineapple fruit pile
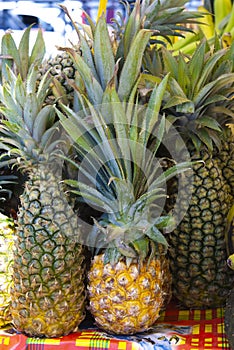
{"x": 89, "y": 126}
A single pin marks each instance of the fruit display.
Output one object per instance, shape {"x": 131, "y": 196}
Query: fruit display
{"x": 91, "y": 129}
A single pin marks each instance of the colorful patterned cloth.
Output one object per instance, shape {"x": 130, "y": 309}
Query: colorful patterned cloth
{"x": 177, "y": 329}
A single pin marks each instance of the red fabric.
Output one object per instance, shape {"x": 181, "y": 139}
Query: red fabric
{"x": 183, "y": 329}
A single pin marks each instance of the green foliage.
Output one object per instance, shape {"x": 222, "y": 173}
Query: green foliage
{"x": 20, "y": 59}
{"x": 112, "y": 154}
{"x": 199, "y": 95}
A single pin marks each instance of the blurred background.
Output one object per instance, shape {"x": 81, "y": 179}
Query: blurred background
{"x": 17, "y": 15}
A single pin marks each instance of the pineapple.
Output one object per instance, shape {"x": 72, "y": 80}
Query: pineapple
{"x": 130, "y": 297}
{"x": 47, "y": 293}
{"x": 129, "y": 278}
{"x": 198, "y": 102}
{"x": 116, "y": 139}
{"x": 7, "y": 232}
{"x": 61, "y": 68}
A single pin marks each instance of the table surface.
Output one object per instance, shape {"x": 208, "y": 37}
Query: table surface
{"x": 176, "y": 329}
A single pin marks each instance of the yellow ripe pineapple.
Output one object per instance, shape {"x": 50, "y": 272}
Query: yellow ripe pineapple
{"x": 129, "y": 298}
{"x": 129, "y": 280}
{"x": 116, "y": 140}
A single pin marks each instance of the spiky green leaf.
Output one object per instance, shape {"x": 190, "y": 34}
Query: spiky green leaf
{"x": 9, "y": 49}
{"x": 24, "y": 52}
{"x": 41, "y": 121}
{"x": 152, "y": 110}
{"x": 209, "y": 122}
{"x": 38, "y": 50}
{"x": 141, "y": 246}
{"x": 103, "y": 53}
{"x": 94, "y": 89}
{"x": 155, "y": 235}
{"x": 131, "y": 68}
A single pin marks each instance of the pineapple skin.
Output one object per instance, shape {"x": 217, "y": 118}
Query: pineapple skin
{"x": 48, "y": 297}
{"x": 126, "y": 299}
{"x": 62, "y": 68}
{"x": 7, "y": 231}
{"x": 201, "y": 278}
{"x": 225, "y": 158}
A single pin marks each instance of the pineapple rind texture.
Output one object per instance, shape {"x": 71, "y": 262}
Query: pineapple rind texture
{"x": 48, "y": 291}
{"x": 225, "y": 157}
{"x": 7, "y": 231}
{"x": 127, "y": 299}
{"x": 62, "y": 69}
{"x": 201, "y": 278}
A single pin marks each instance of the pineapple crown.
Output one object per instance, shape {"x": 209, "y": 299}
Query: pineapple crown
{"x": 99, "y": 64}
{"x": 20, "y": 59}
{"x": 105, "y": 50}
{"x": 199, "y": 98}
{"x": 166, "y": 19}
{"x": 28, "y": 126}
{"x": 112, "y": 135}
{"x": 118, "y": 173}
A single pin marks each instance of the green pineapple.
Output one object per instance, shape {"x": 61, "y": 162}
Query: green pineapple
{"x": 47, "y": 294}
{"x": 199, "y": 89}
